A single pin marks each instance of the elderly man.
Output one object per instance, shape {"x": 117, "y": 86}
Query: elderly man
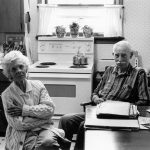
{"x": 121, "y": 82}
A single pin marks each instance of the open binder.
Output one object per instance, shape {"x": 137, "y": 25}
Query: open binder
{"x": 116, "y": 110}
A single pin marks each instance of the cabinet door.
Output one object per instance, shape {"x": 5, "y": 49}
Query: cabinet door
{"x": 11, "y": 16}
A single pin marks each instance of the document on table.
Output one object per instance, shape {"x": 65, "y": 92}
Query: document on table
{"x": 148, "y": 110}
{"x": 112, "y": 123}
{"x": 144, "y": 122}
{"x": 116, "y": 110}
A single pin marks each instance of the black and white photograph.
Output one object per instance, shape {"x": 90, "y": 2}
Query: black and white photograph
{"x": 74, "y": 74}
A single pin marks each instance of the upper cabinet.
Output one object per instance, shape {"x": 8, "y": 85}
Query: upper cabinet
{"x": 11, "y": 16}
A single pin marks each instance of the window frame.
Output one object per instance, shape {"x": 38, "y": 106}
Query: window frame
{"x": 88, "y": 5}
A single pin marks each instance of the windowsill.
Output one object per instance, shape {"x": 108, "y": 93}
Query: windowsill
{"x": 97, "y": 39}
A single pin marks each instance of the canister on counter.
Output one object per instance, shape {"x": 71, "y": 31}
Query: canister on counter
{"x": 84, "y": 60}
{"x": 76, "y": 60}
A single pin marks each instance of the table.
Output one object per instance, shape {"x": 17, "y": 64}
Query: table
{"x": 113, "y": 139}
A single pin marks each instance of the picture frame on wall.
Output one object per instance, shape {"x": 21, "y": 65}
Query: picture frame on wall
{"x": 15, "y": 42}
{"x": 17, "y": 38}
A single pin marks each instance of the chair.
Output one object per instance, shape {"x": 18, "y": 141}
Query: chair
{"x": 96, "y": 79}
{"x": 84, "y": 104}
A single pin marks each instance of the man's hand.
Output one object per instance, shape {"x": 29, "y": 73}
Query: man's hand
{"x": 97, "y": 100}
{"x": 15, "y": 111}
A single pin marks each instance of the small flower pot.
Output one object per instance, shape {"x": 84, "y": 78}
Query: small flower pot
{"x": 60, "y": 31}
{"x": 87, "y": 31}
{"x": 60, "y": 35}
{"x": 74, "y": 30}
{"x": 87, "y": 35}
{"x": 74, "y": 33}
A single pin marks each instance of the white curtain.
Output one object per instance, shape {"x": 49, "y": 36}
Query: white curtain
{"x": 113, "y": 22}
{"x": 46, "y": 20}
{"x": 105, "y": 20}
{"x": 80, "y": 1}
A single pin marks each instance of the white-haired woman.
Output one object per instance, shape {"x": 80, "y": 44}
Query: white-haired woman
{"x": 28, "y": 109}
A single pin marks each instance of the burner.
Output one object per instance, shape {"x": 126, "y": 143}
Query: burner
{"x": 42, "y": 66}
{"x": 78, "y": 66}
{"x": 48, "y": 63}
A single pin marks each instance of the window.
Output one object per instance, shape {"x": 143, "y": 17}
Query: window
{"x": 102, "y": 15}
{"x": 80, "y": 1}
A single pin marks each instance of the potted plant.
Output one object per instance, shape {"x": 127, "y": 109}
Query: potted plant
{"x": 60, "y": 31}
{"x": 87, "y": 31}
{"x": 74, "y": 29}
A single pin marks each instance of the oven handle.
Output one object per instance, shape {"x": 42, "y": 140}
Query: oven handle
{"x": 60, "y": 75}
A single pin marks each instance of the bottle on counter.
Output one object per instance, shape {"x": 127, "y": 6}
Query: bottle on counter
{"x": 83, "y": 59}
{"x": 77, "y": 59}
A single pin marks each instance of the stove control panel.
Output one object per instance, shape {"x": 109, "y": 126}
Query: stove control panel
{"x": 64, "y": 49}
{"x": 65, "y": 46}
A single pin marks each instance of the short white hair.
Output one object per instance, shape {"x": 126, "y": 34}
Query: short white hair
{"x": 124, "y": 45}
{"x": 9, "y": 58}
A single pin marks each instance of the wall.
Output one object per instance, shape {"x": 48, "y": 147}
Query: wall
{"x": 136, "y": 28}
{"x": 31, "y": 42}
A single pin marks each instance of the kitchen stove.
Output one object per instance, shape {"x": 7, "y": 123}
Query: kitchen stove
{"x": 67, "y": 84}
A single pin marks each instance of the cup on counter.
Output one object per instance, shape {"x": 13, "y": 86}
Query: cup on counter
{"x": 84, "y": 60}
{"x": 76, "y": 60}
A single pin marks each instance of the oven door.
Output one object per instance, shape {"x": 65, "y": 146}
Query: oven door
{"x": 66, "y": 90}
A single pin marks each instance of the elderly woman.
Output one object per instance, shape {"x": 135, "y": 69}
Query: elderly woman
{"x": 28, "y": 109}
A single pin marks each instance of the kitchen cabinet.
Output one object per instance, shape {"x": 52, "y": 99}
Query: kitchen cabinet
{"x": 11, "y": 16}
{"x": 103, "y": 52}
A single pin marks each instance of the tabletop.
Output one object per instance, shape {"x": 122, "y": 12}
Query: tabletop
{"x": 113, "y": 139}
{"x": 117, "y": 140}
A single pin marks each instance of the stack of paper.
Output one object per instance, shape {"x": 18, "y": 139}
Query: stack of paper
{"x": 144, "y": 122}
{"x": 116, "y": 109}
{"x": 112, "y": 123}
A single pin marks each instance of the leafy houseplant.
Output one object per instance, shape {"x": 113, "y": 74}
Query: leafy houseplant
{"x": 74, "y": 29}
{"x": 87, "y": 31}
{"x": 60, "y": 31}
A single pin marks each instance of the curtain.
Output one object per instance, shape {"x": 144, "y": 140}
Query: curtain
{"x": 105, "y": 20}
{"x": 113, "y": 22}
